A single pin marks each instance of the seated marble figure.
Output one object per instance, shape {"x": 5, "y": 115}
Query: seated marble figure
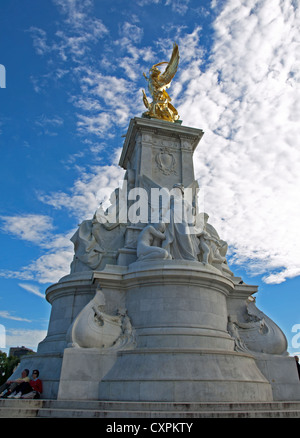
{"x": 149, "y": 243}
{"x": 179, "y": 235}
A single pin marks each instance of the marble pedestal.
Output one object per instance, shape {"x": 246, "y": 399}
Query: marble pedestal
{"x": 183, "y": 351}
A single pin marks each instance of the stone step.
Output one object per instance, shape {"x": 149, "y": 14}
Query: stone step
{"x": 13, "y": 408}
{"x": 10, "y": 408}
{"x": 69, "y": 413}
{"x": 17, "y": 412}
{"x": 169, "y": 407}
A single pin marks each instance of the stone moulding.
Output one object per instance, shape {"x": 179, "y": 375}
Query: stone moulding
{"x": 154, "y": 127}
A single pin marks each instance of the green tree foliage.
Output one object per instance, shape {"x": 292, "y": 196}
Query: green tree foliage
{"x": 7, "y": 366}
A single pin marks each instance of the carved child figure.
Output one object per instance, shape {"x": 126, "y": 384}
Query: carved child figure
{"x": 149, "y": 243}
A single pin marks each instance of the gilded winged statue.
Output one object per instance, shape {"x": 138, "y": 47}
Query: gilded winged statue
{"x": 158, "y": 82}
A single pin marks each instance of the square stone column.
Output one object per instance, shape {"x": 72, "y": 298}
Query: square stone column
{"x": 160, "y": 152}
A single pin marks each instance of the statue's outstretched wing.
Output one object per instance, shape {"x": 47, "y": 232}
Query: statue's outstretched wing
{"x": 166, "y": 77}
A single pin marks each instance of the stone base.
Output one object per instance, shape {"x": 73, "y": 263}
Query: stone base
{"x": 282, "y": 373}
{"x": 184, "y": 376}
{"x": 184, "y": 351}
{"x": 82, "y": 370}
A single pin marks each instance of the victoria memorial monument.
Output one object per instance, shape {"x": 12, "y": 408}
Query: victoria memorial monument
{"x": 151, "y": 310}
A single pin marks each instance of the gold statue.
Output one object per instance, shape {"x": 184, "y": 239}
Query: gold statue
{"x": 158, "y": 82}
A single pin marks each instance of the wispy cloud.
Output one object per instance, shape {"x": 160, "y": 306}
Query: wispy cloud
{"x": 31, "y": 227}
{"x": 32, "y": 289}
{"x": 39, "y": 38}
{"x": 94, "y": 186}
{"x": 48, "y": 125}
{"x": 110, "y": 93}
{"x": 48, "y": 268}
{"x": 58, "y": 250}
{"x": 177, "y": 6}
{"x": 79, "y": 30}
{"x": 103, "y": 101}
{"x": 7, "y": 315}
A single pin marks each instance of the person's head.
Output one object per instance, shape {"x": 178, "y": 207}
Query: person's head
{"x": 35, "y": 374}
{"x": 203, "y": 217}
{"x": 25, "y": 372}
{"x": 154, "y": 71}
{"x": 160, "y": 226}
{"x": 296, "y": 358}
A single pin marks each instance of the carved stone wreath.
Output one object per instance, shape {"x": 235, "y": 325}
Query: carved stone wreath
{"x": 166, "y": 161}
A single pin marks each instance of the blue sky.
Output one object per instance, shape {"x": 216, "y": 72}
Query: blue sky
{"x": 73, "y": 82}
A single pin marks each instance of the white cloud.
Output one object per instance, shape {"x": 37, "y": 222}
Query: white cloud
{"x": 111, "y": 93}
{"x": 131, "y": 32}
{"x": 77, "y": 33}
{"x": 104, "y": 102}
{"x": 53, "y": 264}
{"x": 39, "y": 38}
{"x": 178, "y": 6}
{"x": 30, "y": 227}
{"x": 43, "y": 121}
{"x": 28, "y": 338}
{"x": 80, "y": 29}
{"x": 48, "y": 125}
{"x": 248, "y": 162}
{"x": 94, "y": 186}
{"x": 7, "y": 315}
{"x": 50, "y": 267}
{"x": 33, "y": 289}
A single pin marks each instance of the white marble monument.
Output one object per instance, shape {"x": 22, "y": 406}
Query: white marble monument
{"x": 151, "y": 311}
